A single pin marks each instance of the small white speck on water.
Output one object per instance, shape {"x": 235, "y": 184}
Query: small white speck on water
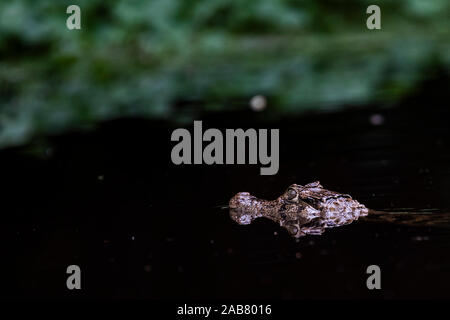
{"x": 420, "y": 238}
{"x": 101, "y": 177}
{"x": 275, "y": 233}
{"x": 376, "y": 119}
{"x": 258, "y": 103}
{"x": 48, "y": 152}
{"x": 132, "y": 238}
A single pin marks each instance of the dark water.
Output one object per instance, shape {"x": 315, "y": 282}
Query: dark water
{"x": 111, "y": 202}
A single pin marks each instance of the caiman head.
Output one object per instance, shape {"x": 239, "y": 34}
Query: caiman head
{"x": 300, "y": 209}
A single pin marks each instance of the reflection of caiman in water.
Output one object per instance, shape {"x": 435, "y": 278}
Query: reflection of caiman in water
{"x": 310, "y": 209}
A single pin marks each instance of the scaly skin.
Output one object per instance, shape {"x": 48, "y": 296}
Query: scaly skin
{"x": 301, "y": 210}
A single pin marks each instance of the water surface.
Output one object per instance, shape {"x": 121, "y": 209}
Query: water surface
{"x": 111, "y": 201}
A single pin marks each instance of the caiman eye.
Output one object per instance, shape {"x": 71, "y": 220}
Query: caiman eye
{"x": 291, "y": 194}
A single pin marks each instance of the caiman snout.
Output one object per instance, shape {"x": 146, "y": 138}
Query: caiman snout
{"x": 240, "y": 199}
{"x": 244, "y": 208}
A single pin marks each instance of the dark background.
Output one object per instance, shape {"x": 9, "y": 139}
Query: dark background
{"x": 111, "y": 202}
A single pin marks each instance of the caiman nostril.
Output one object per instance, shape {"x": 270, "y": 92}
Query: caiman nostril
{"x": 282, "y": 211}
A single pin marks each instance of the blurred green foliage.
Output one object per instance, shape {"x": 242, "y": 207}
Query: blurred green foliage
{"x": 145, "y": 58}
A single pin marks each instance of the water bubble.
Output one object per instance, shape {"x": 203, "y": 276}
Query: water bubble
{"x": 420, "y": 238}
{"x": 376, "y": 119}
{"x": 48, "y": 152}
{"x": 258, "y": 103}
